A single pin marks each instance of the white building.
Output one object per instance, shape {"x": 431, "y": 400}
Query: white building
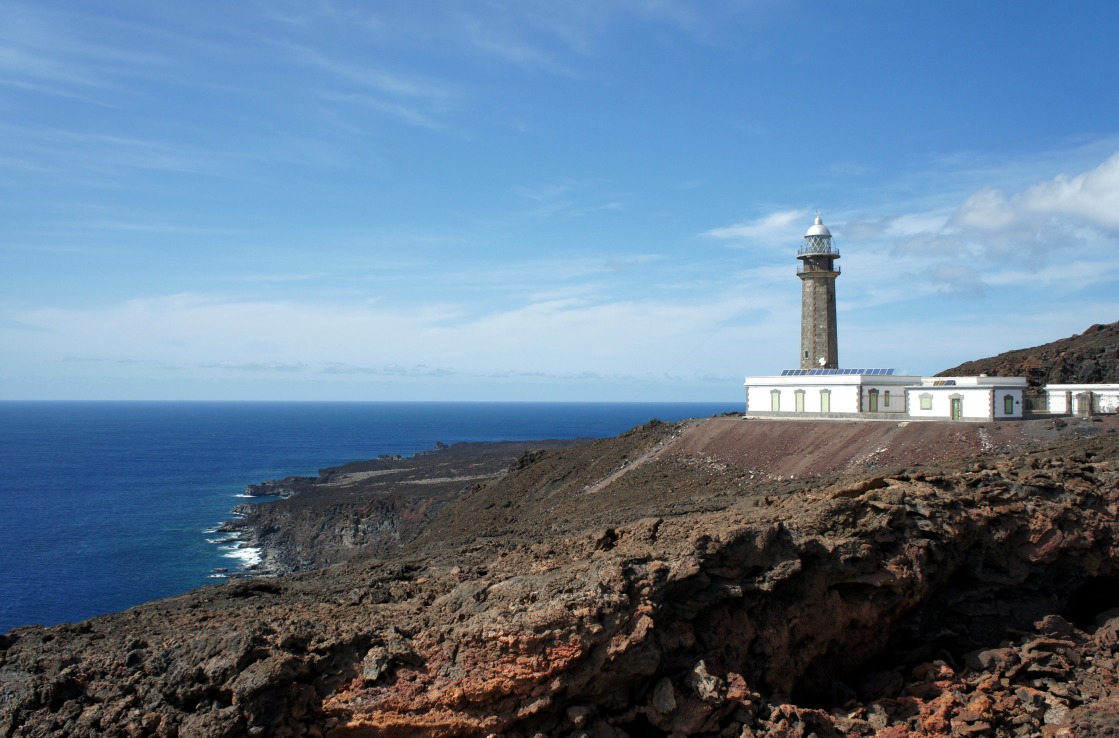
{"x": 880, "y": 394}
{"x": 1082, "y": 399}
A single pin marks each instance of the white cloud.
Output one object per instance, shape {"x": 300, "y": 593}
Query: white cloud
{"x": 993, "y": 236}
{"x": 1088, "y": 199}
{"x": 986, "y": 210}
{"x": 1092, "y": 196}
{"x": 776, "y": 228}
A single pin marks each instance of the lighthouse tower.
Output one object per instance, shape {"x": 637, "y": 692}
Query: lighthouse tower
{"x": 819, "y": 347}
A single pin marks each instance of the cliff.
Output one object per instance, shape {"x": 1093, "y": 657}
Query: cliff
{"x": 718, "y": 578}
{"x": 1090, "y": 357}
{"x": 371, "y": 507}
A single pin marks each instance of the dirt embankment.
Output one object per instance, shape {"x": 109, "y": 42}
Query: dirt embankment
{"x": 670, "y": 581}
{"x": 790, "y": 448}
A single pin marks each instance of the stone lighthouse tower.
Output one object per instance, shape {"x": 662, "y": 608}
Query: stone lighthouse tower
{"x": 819, "y": 347}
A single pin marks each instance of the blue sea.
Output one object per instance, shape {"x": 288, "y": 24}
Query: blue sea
{"x": 105, "y": 505}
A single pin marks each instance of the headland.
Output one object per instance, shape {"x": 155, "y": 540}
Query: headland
{"x": 709, "y": 577}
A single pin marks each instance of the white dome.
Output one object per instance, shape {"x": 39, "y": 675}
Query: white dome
{"x": 818, "y": 229}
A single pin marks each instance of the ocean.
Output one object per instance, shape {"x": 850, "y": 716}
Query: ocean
{"x": 105, "y": 505}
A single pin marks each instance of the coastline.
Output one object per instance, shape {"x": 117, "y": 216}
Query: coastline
{"x": 132, "y": 486}
{"x": 301, "y": 523}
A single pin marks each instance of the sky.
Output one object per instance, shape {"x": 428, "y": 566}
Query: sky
{"x": 587, "y": 200}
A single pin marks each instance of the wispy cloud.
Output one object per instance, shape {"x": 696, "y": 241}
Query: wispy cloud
{"x": 406, "y": 113}
{"x": 573, "y": 198}
{"x": 254, "y": 366}
{"x": 401, "y": 85}
{"x": 560, "y": 336}
{"x": 61, "y": 54}
{"x": 781, "y": 227}
{"x": 77, "y": 155}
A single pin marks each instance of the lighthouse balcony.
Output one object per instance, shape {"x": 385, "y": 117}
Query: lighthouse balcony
{"x": 815, "y": 268}
{"x": 817, "y": 249}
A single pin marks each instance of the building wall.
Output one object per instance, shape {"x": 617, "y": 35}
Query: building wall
{"x": 896, "y": 398}
{"x": 976, "y": 402}
{"x": 1106, "y": 402}
{"x": 1105, "y": 397}
{"x": 844, "y": 399}
{"x": 1000, "y": 402}
{"x": 1058, "y": 401}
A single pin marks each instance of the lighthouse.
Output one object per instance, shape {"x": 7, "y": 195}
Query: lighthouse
{"x": 819, "y": 347}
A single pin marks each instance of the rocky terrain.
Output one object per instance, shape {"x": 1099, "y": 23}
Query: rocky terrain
{"x": 376, "y": 507}
{"x": 709, "y": 578}
{"x": 372, "y": 507}
{"x": 1090, "y": 357}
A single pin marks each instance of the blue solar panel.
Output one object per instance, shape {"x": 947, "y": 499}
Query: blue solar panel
{"x": 833, "y": 372}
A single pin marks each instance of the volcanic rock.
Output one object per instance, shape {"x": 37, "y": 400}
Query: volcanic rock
{"x": 690, "y": 579}
{"x": 1089, "y": 357}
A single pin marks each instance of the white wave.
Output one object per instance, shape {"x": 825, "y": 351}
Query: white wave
{"x": 247, "y": 555}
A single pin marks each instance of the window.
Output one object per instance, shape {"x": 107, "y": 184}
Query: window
{"x": 886, "y": 398}
{"x": 1008, "y": 405}
{"x": 926, "y": 401}
{"x": 775, "y": 400}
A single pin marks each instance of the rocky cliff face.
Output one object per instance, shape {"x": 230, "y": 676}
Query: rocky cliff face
{"x": 371, "y": 507}
{"x": 672, "y": 581}
{"x": 1090, "y": 357}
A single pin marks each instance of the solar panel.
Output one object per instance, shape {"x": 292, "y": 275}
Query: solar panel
{"x": 834, "y": 372}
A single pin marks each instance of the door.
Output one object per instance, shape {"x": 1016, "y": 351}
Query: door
{"x": 800, "y": 401}
{"x": 957, "y": 408}
{"x": 874, "y": 401}
{"x": 825, "y": 401}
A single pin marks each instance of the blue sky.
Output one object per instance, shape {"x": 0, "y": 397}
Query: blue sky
{"x": 578, "y": 200}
